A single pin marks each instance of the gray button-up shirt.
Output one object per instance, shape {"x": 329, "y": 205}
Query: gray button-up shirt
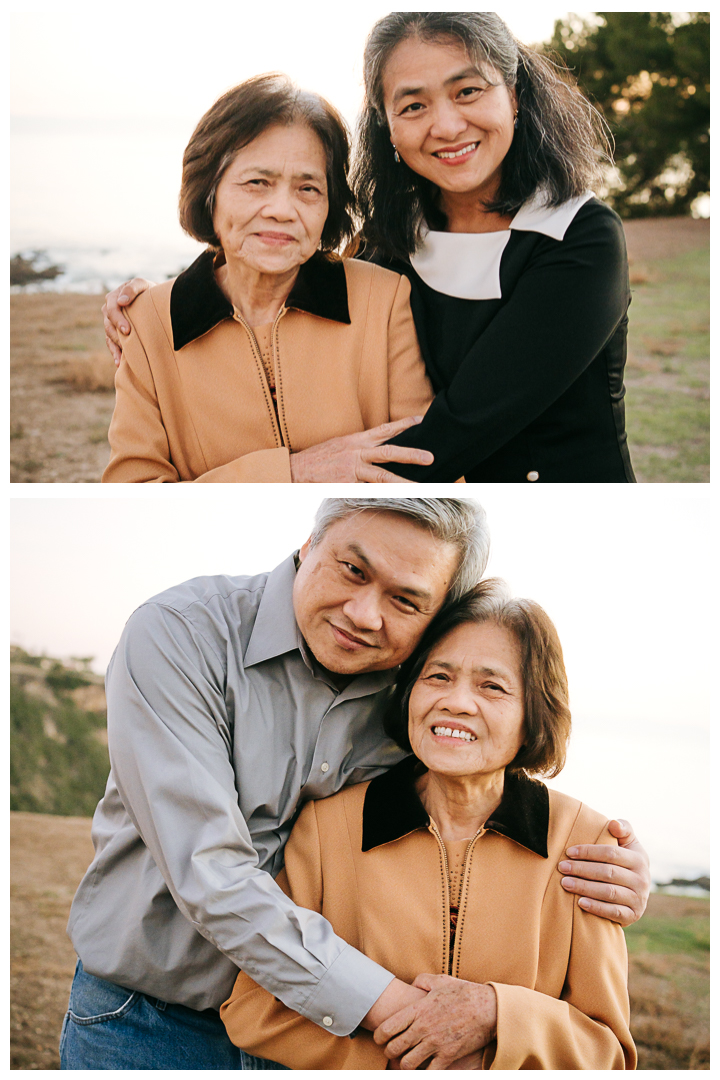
{"x": 220, "y": 725}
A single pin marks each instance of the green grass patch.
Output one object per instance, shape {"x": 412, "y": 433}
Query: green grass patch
{"x": 668, "y": 934}
{"x": 668, "y": 371}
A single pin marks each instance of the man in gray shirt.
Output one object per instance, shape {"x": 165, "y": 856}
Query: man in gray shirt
{"x": 231, "y": 702}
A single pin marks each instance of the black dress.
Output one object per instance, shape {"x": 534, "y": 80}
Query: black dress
{"x": 530, "y": 383}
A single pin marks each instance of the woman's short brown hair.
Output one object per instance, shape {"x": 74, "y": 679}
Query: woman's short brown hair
{"x": 545, "y": 688}
{"x": 238, "y": 117}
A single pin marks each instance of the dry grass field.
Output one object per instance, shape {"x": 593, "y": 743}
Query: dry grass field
{"x": 669, "y": 969}
{"x": 49, "y": 855}
{"x": 62, "y": 389}
{"x": 62, "y": 377}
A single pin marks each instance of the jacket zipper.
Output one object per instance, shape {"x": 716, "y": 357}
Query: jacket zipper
{"x": 463, "y": 892}
{"x": 446, "y": 898}
{"x": 462, "y": 902}
{"x": 275, "y": 349}
{"x": 267, "y": 393}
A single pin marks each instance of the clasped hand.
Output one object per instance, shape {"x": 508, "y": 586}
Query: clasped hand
{"x": 448, "y": 1028}
{"x": 354, "y": 459}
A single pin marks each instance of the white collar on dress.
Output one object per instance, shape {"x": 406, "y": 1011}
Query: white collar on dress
{"x": 467, "y": 265}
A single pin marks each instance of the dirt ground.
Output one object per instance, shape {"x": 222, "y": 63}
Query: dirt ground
{"x": 669, "y": 992}
{"x": 62, "y": 378}
{"x": 661, "y": 238}
{"x": 61, "y": 389}
{"x": 49, "y": 855}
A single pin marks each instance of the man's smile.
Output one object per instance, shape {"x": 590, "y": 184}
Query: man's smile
{"x": 350, "y": 641}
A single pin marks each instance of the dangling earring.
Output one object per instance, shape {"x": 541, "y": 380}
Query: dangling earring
{"x": 516, "y": 121}
{"x": 397, "y": 156}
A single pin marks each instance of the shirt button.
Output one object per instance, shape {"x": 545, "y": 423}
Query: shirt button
{"x": 324, "y": 768}
{"x": 328, "y": 1021}
{"x": 533, "y": 476}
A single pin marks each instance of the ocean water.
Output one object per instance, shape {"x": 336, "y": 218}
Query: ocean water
{"x": 656, "y": 776}
{"x": 100, "y": 200}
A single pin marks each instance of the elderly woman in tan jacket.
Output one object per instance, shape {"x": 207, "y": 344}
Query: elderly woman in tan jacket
{"x": 269, "y": 359}
{"x": 444, "y": 867}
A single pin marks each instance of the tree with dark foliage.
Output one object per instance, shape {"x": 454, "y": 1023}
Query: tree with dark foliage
{"x": 649, "y": 74}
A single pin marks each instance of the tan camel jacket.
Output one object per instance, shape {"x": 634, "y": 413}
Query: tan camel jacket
{"x": 370, "y": 860}
{"x": 193, "y": 401}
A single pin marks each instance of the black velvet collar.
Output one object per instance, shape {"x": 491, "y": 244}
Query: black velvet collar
{"x": 197, "y": 303}
{"x": 393, "y": 809}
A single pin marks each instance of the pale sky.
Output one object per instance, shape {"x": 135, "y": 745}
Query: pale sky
{"x": 623, "y": 571}
{"x": 79, "y": 61}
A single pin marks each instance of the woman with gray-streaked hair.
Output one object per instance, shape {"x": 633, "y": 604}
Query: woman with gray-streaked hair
{"x": 476, "y": 159}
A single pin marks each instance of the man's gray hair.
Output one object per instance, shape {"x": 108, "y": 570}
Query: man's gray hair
{"x": 460, "y": 522}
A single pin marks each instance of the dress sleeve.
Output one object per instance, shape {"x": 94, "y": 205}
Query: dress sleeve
{"x": 258, "y": 1022}
{"x": 588, "y": 1026}
{"x": 409, "y": 388}
{"x": 140, "y": 452}
{"x": 564, "y": 309}
{"x": 166, "y": 704}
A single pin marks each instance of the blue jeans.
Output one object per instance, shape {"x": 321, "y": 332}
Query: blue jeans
{"x": 110, "y": 1027}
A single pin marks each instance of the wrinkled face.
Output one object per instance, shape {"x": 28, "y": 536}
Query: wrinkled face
{"x": 365, "y": 593}
{"x": 272, "y": 201}
{"x": 447, "y": 121}
{"x": 466, "y": 710}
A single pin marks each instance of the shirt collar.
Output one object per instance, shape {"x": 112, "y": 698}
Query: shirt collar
{"x": 197, "y": 303}
{"x": 393, "y": 809}
{"x": 275, "y": 632}
{"x": 467, "y": 265}
{"x": 536, "y": 216}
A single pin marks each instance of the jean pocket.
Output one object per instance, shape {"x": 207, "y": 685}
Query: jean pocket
{"x": 95, "y": 1001}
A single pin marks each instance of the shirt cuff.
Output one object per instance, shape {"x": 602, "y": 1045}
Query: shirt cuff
{"x": 347, "y": 992}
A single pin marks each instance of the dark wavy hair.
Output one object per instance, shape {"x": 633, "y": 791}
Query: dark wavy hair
{"x": 238, "y": 117}
{"x": 545, "y": 687}
{"x": 560, "y": 142}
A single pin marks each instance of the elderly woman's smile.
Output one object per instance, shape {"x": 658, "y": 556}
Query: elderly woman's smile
{"x": 271, "y": 203}
{"x": 466, "y": 710}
